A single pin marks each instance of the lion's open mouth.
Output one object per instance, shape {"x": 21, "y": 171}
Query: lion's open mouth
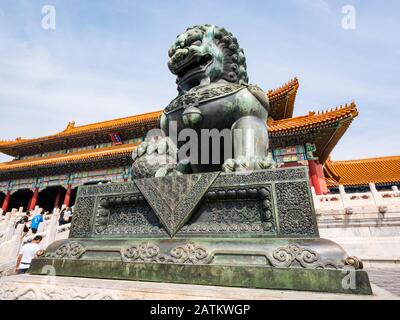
{"x": 197, "y": 63}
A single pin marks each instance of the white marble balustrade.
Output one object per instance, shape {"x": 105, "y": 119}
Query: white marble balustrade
{"x": 372, "y": 201}
{"x": 12, "y": 238}
{"x": 365, "y": 224}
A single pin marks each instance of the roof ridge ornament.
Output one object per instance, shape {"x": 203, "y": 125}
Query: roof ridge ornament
{"x": 70, "y": 126}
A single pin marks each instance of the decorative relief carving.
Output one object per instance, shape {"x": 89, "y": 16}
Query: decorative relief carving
{"x": 126, "y": 214}
{"x": 107, "y": 189}
{"x": 102, "y": 220}
{"x": 143, "y": 252}
{"x": 81, "y": 223}
{"x": 284, "y": 257}
{"x": 190, "y": 253}
{"x": 295, "y": 209}
{"x": 202, "y": 95}
{"x": 232, "y": 204}
{"x": 235, "y": 211}
{"x": 41, "y": 291}
{"x": 147, "y": 252}
{"x": 174, "y": 198}
{"x": 248, "y": 216}
{"x": 260, "y": 177}
{"x": 72, "y": 250}
{"x": 289, "y": 256}
{"x": 131, "y": 220}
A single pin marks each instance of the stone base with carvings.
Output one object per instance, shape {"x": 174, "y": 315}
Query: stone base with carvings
{"x": 28, "y": 287}
{"x": 255, "y": 229}
{"x": 294, "y": 264}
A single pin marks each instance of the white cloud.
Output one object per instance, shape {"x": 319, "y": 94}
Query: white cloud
{"x": 38, "y": 97}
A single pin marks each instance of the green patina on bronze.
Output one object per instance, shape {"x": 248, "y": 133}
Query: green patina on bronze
{"x": 209, "y": 41}
{"x": 213, "y": 94}
{"x": 239, "y": 235}
{"x": 218, "y": 275}
{"x": 253, "y": 225}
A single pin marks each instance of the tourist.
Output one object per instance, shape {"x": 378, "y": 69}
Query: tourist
{"x": 65, "y": 216}
{"x": 61, "y": 219}
{"x": 26, "y": 254}
{"x": 36, "y": 222}
{"x": 25, "y": 221}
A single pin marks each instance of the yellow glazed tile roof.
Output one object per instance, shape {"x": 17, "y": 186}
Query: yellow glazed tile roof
{"x": 313, "y": 119}
{"x": 285, "y": 126}
{"x": 71, "y": 129}
{"x": 275, "y": 94}
{"x": 383, "y": 170}
{"x": 65, "y": 158}
{"x": 282, "y": 100}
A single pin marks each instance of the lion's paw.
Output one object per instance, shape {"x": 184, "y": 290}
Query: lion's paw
{"x": 162, "y": 146}
{"x": 248, "y": 164}
{"x": 151, "y": 156}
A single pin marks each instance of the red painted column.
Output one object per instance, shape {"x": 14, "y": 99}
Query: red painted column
{"x": 29, "y": 204}
{"x": 321, "y": 178}
{"x": 34, "y": 199}
{"x": 314, "y": 180}
{"x": 6, "y": 201}
{"x": 67, "y": 198}
{"x": 57, "y": 201}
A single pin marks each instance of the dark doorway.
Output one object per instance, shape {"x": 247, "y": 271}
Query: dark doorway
{"x": 73, "y": 196}
{"x": 47, "y": 198}
{"x": 21, "y": 198}
{"x": 90, "y": 183}
{"x": 2, "y": 197}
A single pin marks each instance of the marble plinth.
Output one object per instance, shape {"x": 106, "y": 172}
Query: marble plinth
{"x": 30, "y": 287}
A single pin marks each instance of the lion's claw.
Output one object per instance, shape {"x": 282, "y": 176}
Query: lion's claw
{"x": 248, "y": 164}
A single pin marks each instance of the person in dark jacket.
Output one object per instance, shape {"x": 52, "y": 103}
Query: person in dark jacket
{"x": 24, "y": 220}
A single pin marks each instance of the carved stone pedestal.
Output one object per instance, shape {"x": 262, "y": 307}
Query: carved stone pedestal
{"x": 255, "y": 230}
{"x": 28, "y": 287}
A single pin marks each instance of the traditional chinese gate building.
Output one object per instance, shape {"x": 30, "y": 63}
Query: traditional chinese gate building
{"x": 46, "y": 171}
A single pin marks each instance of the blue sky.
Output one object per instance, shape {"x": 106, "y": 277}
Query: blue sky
{"x": 108, "y": 59}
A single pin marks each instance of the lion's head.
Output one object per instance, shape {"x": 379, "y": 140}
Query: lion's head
{"x": 206, "y": 52}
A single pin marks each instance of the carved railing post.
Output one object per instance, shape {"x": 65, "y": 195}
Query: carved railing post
{"x": 317, "y": 202}
{"x": 345, "y": 200}
{"x": 5, "y": 222}
{"x": 10, "y": 228}
{"x": 42, "y": 227}
{"x": 17, "y": 241}
{"x": 51, "y": 231}
{"x": 377, "y": 198}
{"x": 10, "y": 248}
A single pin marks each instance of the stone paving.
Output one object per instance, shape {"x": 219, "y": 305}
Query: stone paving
{"x": 386, "y": 278}
{"x": 28, "y": 287}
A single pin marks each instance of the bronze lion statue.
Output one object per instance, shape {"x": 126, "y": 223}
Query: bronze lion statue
{"x": 217, "y": 121}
